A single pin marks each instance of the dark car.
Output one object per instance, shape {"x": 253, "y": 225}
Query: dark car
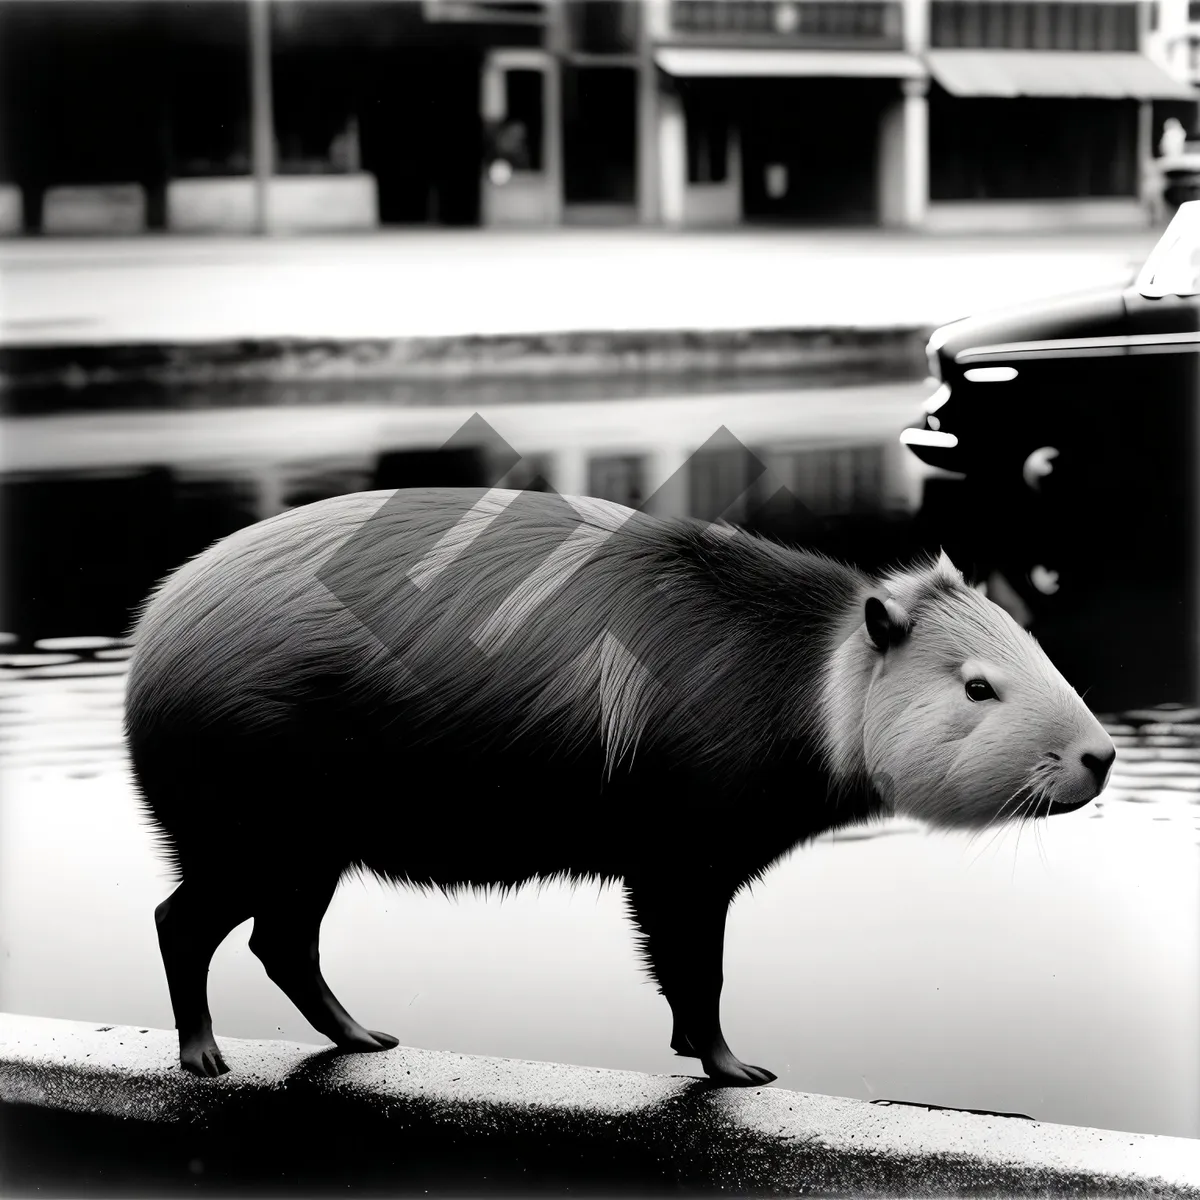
{"x": 1070, "y": 429}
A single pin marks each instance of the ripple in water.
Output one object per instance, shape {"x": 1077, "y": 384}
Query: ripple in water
{"x": 61, "y": 713}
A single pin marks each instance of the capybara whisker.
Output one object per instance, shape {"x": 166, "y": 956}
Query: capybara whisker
{"x": 998, "y": 825}
{"x": 457, "y": 689}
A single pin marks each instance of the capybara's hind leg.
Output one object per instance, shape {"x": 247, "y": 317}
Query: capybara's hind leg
{"x": 683, "y": 939}
{"x": 192, "y": 922}
{"x": 287, "y": 927}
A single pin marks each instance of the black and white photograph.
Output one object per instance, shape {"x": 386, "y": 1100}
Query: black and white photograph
{"x": 600, "y": 598}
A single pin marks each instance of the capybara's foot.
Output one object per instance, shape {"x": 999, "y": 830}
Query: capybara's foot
{"x": 202, "y": 1058}
{"x": 727, "y": 1071}
{"x": 365, "y": 1041}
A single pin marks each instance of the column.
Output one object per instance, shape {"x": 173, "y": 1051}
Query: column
{"x": 268, "y": 490}
{"x": 916, "y": 151}
{"x": 904, "y": 135}
{"x": 1149, "y": 179}
{"x": 553, "y": 145}
{"x": 656, "y": 17}
{"x": 672, "y": 159}
{"x": 262, "y": 120}
{"x": 648, "y": 170}
{"x": 916, "y": 25}
{"x": 570, "y": 470}
{"x": 555, "y": 43}
{"x": 904, "y": 158}
{"x": 652, "y": 27}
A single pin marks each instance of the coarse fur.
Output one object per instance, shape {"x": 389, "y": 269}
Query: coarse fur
{"x": 476, "y": 689}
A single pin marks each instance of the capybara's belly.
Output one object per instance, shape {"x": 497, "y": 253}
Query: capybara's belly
{"x": 430, "y": 806}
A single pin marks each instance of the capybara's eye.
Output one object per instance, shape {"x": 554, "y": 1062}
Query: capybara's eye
{"x": 980, "y": 689}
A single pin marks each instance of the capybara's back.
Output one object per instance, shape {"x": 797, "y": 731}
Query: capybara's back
{"x": 451, "y": 687}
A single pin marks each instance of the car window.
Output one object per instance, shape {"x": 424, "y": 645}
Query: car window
{"x": 1173, "y": 266}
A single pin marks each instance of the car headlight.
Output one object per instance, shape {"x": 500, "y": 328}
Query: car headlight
{"x": 928, "y": 437}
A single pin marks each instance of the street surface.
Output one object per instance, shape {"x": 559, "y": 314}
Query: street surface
{"x": 434, "y": 283}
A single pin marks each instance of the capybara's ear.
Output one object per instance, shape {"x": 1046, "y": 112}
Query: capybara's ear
{"x": 947, "y": 569}
{"x": 887, "y": 622}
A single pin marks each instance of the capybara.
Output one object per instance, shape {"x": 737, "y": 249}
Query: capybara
{"x": 465, "y": 688}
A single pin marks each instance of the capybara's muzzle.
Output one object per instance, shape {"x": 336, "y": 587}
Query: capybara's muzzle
{"x": 1088, "y": 778}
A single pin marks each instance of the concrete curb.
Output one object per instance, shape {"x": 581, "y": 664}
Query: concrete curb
{"x": 97, "y": 1109}
{"x": 898, "y": 350}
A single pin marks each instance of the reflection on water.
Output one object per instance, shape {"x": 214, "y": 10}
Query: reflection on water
{"x": 470, "y": 391}
{"x": 1053, "y": 970}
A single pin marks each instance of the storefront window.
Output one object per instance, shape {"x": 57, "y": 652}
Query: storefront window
{"x": 833, "y": 480}
{"x": 519, "y": 138}
{"x": 1026, "y": 149}
{"x": 599, "y": 135}
{"x": 1033, "y": 25}
{"x": 603, "y": 26}
{"x": 870, "y": 20}
{"x": 210, "y": 127}
{"x": 315, "y": 127}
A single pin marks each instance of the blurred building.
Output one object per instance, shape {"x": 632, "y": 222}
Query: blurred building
{"x": 231, "y": 115}
{"x": 1188, "y": 46}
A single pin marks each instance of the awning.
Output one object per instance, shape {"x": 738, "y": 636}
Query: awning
{"x": 1073, "y": 74}
{"x": 694, "y": 62}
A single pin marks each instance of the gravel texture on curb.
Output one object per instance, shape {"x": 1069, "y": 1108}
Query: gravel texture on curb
{"x": 93, "y": 1109}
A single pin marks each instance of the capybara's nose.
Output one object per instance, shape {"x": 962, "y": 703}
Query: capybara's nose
{"x": 1099, "y": 763}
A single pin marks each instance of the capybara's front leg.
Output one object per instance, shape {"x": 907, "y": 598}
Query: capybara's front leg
{"x": 683, "y": 939}
{"x": 680, "y": 1042}
{"x": 287, "y": 926}
{"x": 192, "y": 922}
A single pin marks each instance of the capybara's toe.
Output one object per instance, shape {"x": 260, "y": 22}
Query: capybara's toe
{"x": 364, "y": 1041}
{"x": 215, "y": 1065}
{"x": 205, "y": 1061}
{"x": 733, "y": 1073}
{"x": 760, "y": 1074}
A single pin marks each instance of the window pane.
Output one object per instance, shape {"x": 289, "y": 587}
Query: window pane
{"x": 619, "y": 478}
{"x": 521, "y": 136}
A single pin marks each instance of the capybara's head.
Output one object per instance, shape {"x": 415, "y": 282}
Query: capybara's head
{"x": 965, "y": 721}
